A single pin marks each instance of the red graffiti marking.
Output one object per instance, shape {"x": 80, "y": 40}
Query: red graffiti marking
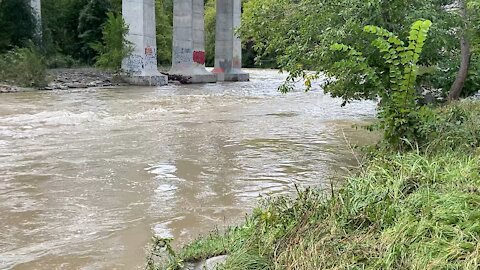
{"x": 148, "y": 51}
{"x": 199, "y": 57}
{"x": 218, "y": 70}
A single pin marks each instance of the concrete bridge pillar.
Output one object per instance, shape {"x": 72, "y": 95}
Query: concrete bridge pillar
{"x": 189, "y": 41}
{"x": 141, "y": 65}
{"x": 228, "y": 47}
{"x": 37, "y": 13}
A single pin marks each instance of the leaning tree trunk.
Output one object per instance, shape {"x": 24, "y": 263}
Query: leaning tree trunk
{"x": 466, "y": 54}
{"x": 462, "y": 75}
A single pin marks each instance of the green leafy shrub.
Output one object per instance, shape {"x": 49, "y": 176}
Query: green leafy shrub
{"x": 454, "y": 127}
{"x": 393, "y": 79}
{"x": 23, "y": 67}
{"x": 472, "y": 85}
{"x": 61, "y": 61}
{"x": 113, "y": 48}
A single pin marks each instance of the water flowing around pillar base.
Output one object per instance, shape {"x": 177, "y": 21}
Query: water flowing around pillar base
{"x": 194, "y": 74}
{"x": 157, "y": 80}
{"x": 234, "y": 75}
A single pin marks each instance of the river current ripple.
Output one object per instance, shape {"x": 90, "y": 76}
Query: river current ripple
{"x": 87, "y": 177}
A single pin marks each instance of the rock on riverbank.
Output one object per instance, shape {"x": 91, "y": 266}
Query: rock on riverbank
{"x": 78, "y": 78}
{"x": 209, "y": 264}
{"x": 476, "y": 96}
{"x": 8, "y": 89}
{"x": 63, "y": 79}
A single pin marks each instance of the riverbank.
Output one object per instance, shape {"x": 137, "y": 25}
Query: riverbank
{"x": 64, "y": 79}
{"x": 412, "y": 210}
{"x": 5, "y": 88}
{"x": 78, "y": 78}
{"x": 71, "y": 78}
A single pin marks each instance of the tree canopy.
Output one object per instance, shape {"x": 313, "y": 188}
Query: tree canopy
{"x": 301, "y": 33}
{"x": 17, "y": 24}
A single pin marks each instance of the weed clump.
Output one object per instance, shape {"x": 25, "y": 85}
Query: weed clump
{"x": 23, "y": 67}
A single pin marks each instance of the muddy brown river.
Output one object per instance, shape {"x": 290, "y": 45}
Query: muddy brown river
{"x": 87, "y": 177}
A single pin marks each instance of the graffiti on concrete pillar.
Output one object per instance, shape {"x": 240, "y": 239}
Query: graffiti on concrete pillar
{"x": 199, "y": 57}
{"x": 182, "y": 55}
{"x": 149, "y": 50}
{"x": 150, "y": 56}
{"x": 134, "y": 64}
{"x": 226, "y": 65}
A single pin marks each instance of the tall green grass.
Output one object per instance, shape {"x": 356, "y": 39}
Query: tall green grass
{"x": 404, "y": 210}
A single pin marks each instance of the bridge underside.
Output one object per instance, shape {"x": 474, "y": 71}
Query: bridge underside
{"x": 188, "y": 42}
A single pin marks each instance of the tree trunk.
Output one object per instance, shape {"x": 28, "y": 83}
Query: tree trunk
{"x": 466, "y": 54}
{"x": 462, "y": 75}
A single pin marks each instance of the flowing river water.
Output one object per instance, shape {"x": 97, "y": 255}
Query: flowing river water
{"x": 87, "y": 177}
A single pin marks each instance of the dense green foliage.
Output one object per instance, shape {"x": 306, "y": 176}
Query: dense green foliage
{"x": 414, "y": 210}
{"x": 23, "y": 67}
{"x": 90, "y": 22}
{"x": 114, "y": 47}
{"x": 210, "y": 24}
{"x": 60, "y": 23}
{"x": 392, "y": 77}
{"x": 473, "y": 24}
{"x": 390, "y": 74}
{"x": 301, "y": 32}
{"x": 71, "y": 27}
{"x": 331, "y": 39}
{"x": 17, "y": 24}
{"x": 473, "y": 81}
{"x": 164, "y": 17}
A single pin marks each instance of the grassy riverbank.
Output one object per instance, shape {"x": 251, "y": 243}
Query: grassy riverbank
{"x": 412, "y": 210}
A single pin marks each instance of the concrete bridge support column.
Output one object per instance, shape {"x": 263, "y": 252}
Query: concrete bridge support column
{"x": 141, "y": 66}
{"x": 189, "y": 41}
{"x": 37, "y": 12}
{"x": 228, "y": 46}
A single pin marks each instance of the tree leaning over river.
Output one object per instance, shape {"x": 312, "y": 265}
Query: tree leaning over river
{"x": 301, "y": 32}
